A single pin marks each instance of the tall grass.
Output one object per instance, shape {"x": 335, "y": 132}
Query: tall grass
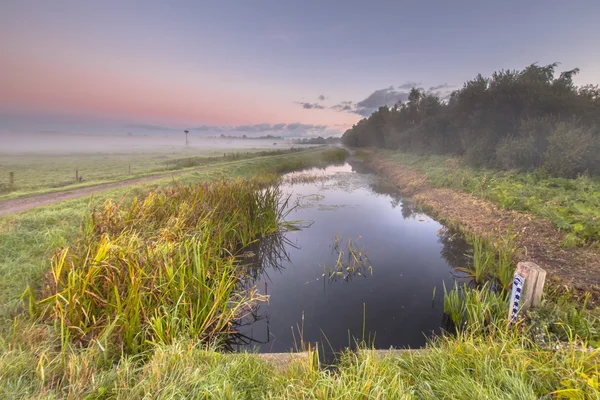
{"x": 492, "y": 260}
{"x": 482, "y": 262}
{"x": 476, "y": 310}
{"x": 161, "y": 267}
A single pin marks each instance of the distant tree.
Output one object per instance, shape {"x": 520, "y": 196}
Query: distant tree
{"x": 186, "y": 136}
{"x": 513, "y": 119}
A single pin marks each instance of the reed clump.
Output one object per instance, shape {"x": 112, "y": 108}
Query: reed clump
{"x": 349, "y": 261}
{"x": 161, "y": 267}
{"x": 492, "y": 260}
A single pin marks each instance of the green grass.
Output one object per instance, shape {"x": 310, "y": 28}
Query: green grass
{"x": 46, "y": 173}
{"x": 27, "y": 240}
{"x": 507, "y": 366}
{"x": 486, "y": 359}
{"x": 573, "y": 205}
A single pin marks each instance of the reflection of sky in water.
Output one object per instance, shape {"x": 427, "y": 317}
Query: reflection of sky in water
{"x": 405, "y": 248}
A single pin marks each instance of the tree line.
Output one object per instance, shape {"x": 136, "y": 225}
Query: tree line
{"x": 530, "y": 119}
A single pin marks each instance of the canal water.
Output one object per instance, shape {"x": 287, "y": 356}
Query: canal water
{"x": 363, "y": 265}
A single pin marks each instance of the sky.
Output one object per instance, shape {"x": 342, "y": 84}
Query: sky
{"x": 301, "y": 68}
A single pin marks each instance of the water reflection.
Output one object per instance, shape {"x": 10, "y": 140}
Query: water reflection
{"x": 410, "y": 254}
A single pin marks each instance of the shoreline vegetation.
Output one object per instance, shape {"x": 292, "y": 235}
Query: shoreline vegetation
{"x": 106, "y": 319}
{"x": 475, "y": 202}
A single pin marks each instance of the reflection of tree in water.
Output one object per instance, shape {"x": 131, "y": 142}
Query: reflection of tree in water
{"x": 454, "y": 247}
{"x": 409, "y": 209}
{"x": 382, "y": 187}
{"x": 360, "y": 168}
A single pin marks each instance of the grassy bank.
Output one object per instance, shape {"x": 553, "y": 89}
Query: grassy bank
{"x": 27, "y": 240}
{"x": 43, "y": 173}
{"x": 573, "y": 205}
{"x": 134, "y": 303}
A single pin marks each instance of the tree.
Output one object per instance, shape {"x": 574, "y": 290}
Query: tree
{"x": 507, "y": 120}
{"x": 186, "y": 136}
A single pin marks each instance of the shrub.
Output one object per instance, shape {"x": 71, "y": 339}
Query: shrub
{"x": 572, "y": 150}
{"x": 518, "y": 153}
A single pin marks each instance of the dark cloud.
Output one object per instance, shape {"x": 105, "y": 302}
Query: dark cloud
{"x": 309, "y": 127}
{"x": 321, "y": 97}
{"x": 387, "y": 97}
{"x": 310, "y": 106}
{"x": 382, "y": 97}
{"x": 409, "y": 85}
{"x": 347, "y": 106}
{"x": 440, "y": 87}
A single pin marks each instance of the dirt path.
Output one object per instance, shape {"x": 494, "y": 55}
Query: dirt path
{"x": 538, "y": 239}
{"x": 27, "y": 203}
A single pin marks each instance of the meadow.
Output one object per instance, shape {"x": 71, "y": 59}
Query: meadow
{"x": 129, "y": 294}
{"x": 42, "y": 173}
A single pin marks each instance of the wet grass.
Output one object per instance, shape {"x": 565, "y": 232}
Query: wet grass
{"x": 573, "y": 205}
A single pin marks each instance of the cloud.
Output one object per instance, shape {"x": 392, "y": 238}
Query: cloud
{"x": 344, "y": 106}
{"x": 295, "y": 129}
{"x": 388, "y": 97}
{"x": 409, "y": 85}
{"x": 382, "y": 97}
{"x": 439, "y": 87}
{"x": 310, "y": 106}
{"x": 322, "y": 97}
{"x": 298, "y": 126}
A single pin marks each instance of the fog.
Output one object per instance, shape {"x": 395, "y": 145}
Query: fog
{"x": 59, "y": 144}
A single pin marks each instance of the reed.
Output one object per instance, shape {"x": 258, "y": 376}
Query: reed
{"x": 506, "y": 249}
{"x": 350, "y": 260}
{"x": 492, "y": 260}
{"x": 482, "y": 261}
{"x": 161, "y": 267}
{"x": 454, "y": 306}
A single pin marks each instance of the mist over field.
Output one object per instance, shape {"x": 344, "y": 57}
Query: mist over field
{"x": 61, "y": 143}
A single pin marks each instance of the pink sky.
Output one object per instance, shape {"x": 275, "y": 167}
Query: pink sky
{"x": 242, "y": 63}
{"x": 36, "y": 84}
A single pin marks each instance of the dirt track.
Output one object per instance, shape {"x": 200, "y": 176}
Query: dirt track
{"x": 538, "y": 239}
{"x": 27, "y": 203}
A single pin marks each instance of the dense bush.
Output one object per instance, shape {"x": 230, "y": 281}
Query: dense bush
{"x": 520, "y": 120}
{"x": 572, "y": 150}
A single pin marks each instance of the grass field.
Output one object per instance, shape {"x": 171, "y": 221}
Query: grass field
{"x": 43, "y": 173}
{"x": 128, "y": 355}
{"x": 573, "y": 205}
